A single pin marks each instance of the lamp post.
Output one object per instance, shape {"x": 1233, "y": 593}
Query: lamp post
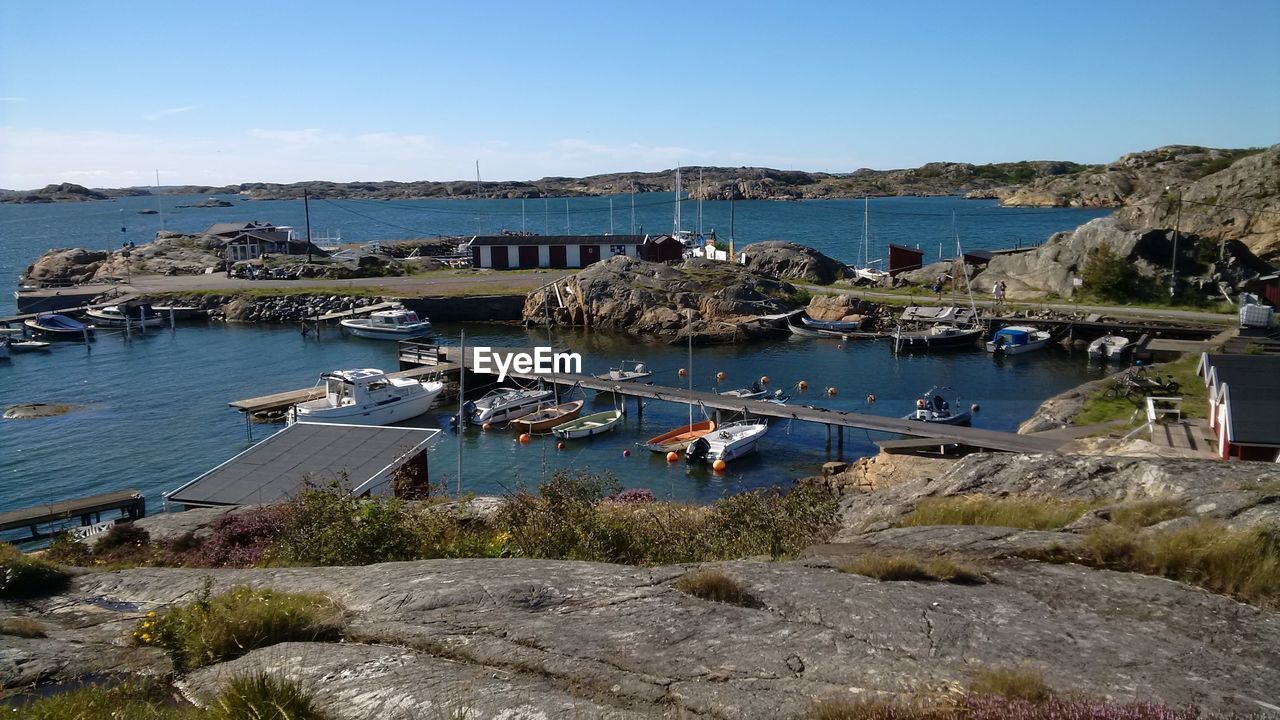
{"x": 1173, "y": 265}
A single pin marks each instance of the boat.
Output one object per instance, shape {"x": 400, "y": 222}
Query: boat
{"x": 1018, "y": 339}
{"x": 728, "y": 442}
{"x": 837, "y": 326}
{"x": 394, "y": 324}
{"x": 4, "y": 348}
{"x": 680, "y": 438}
{"x": 125, "y": 315}
{"x": 1110, "y": 347}
{"x": 367, "y": 396}
{"x": 504, "y": 404}
{"x": 865, "y": 271}
{"x": 755, "y": 392}
{"x": 627, "y": 371}
{"x": 951, "y": 314}
{"x": 26, "y": 346}
{"x": 52, "y": 326}
{"x": 940, "y": 405}
{"x": 541, "y": 421}
{"x": 938, "y": 337}
{"x": 584, "y": 427}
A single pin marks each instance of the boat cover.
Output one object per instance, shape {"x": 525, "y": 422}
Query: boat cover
{"x": 1018, "y": 336}
{"x": 59, "y": 322}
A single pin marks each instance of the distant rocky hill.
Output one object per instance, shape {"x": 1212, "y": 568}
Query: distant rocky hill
{"x": 62, "y": 192}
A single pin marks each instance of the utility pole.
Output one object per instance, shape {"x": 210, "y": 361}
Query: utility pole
{"x": 1173, "y": 264}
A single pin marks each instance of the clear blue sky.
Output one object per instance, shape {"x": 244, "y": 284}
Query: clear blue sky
{"x": 104, "y": 93}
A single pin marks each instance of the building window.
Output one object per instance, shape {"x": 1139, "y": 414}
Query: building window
{"x": 618, "y": 249}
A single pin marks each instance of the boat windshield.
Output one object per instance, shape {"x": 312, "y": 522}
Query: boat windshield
{"x": 337, "y": 391}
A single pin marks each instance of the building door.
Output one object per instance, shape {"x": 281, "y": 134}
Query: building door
{"x": 499, "y": 255}
{"x": 528, "y": 256}
{"x": 559, "y": 256}
{"x": 589, "y": 254}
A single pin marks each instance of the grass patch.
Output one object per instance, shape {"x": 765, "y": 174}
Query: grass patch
{"x": 1017, "y": 511}
{"x": 908, "y": 566}
{"x": 1146, "y": 513}
{"x": 1243, "y": 564}
{"x": 21, "y": 627}
{"x": 1098, "y": 408}
{"x": 995, "y": 707}
{"x": 716, "y": 586}
{"x": 245, "y": 697}
{"x": 23, "y": 576}
{"x": 1024, "y": 684}
{"x": 259, "y": 696}
{"x": 226, "y": 626}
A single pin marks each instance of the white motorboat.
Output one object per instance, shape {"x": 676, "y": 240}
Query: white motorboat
{"x": 1109, "y": 347}
{"x": 26, "y": 346}
{"x": 504, "y": 404}
{"x": 1018, "y": 339}
{"x": 367, "y": 396}
{"x": 728, "y": 442}
{"x": 135, "y": 315}
{"x": 627, "y": 371}
{"x": 585, "y": 427}
{"x": 755, "y": 392}
{"x": 394, "y": 324}
{"x": 52, "y": 326}
{"x": 4, "y": 348}
{"x": 940, "y": 405}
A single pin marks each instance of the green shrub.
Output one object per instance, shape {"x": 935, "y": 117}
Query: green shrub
{"x": 23, "y": 576}
{"x": 250, "y": 697}
{"x": 1109, "y": 277}
{"x": 1024, "y": 684}
{"x": 715, "y": 585}
{"x": 259, "y": 696}
{"x": 226, "y": 626}
{"x": 21, "y": 627}
{"x": 330, "y": 527}
{"x": 1019, "y": 511}
{"x": 909, "y": 566}
{"x": 771, "y": 522}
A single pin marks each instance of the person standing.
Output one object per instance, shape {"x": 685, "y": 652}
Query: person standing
{"x": 998, "y": 293}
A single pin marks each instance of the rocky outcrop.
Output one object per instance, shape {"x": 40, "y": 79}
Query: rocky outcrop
{"x": 848, "y": 308}
{"x": 75, "y": 265}
{"x": 715, "y": 301}
{"x": 168, "y": 254}
{"x": 788, "y": 260}
{"x": 36, "y": 411}
{"x": 59, "y": 192}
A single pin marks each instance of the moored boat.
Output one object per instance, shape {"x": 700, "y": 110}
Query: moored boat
{"x": 541, "y": 421}
{"x": 627, "y": 371}
{"x": 52, "y": 326}
{"x": 728, "y": 442}
{"x": 26, "y": 346}
{"x": 940, "y": 405}
{"x": 584, "y": 427}
{"x": 839, "y": 326}
{"x": 755, "y": 392}
{"x": 367, "y": 396}
{"x": 1109, "y": 347}
{"x": 130, "y": 314}
{"x": 937, "y": 337}
{"x": 1018, "y": 339}
{"x": 394, "y": 324}
{"x": 680, "y": 438}
{"x": 504, "y": 404}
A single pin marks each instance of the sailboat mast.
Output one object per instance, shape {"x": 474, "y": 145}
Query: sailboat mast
{"x": 610, "y": 216}
{"x": 700, "y": 188}
{"x": 159, "y": 206}
{"x": 306, "y": 213}
{"x": 689, "y": 332}
{"x": 477, "y": 197}
{"x": 866, "y": 239}
{"x": 676, "y": 223}
{"x": 462, "y": 386}
{"x": 633, "y": 207}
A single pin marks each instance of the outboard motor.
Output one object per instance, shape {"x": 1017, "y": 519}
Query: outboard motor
{"x": 697, "y": 452}
{"x": 468, "y": 411}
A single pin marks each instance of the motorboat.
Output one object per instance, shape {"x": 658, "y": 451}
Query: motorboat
{"x": 394, "y": 324}
{"x": 1018, "y": 339}
{"x": 680, "y": 438}
{"x": 52, "y": 326}
{"x": 627, "y": 371}
{"x": 542, "y": 420}
{"x": 584, "y": 427}
{"x": 937, "y": 337}
{"x": 367, "y": 396}
{"x": 755, "y": 392}
{"x": 4, "y": 348}
{"x": 839, "y": 326}
{"x": 135, "y": 315}
{"x": 1110, "y": 347}
{"x": 728, "y": 442}
{"x": 504, "y": 404}
{"x": 940, "y": 405}
{"x": 26, "y": 346}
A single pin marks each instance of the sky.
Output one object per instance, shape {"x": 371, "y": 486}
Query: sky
{"x": 106, "y": 94}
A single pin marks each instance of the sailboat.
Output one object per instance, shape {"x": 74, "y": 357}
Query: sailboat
{"x": 865, "y": 271}
{"x": 685, "y": 237}
{"x": 681, "y": 437}
{"x": 944, "y": 337}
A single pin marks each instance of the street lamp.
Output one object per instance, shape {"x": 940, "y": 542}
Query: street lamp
{"x": 1173, "y": 265}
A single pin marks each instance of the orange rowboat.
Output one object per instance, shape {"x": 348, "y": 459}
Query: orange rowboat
{"x": 680, "y": 438}
{"x": 541, "y": 421}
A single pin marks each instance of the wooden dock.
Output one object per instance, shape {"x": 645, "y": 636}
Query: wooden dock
{"x": 131, "y": 504}
{"x": 353, "y": 312}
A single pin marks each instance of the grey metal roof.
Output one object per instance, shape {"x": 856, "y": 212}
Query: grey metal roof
{"x": 1253, "y": 414}
{"x": 507, "y": 240}
{"x": 1259, "y": 370}
{"x": 275, "y": 469}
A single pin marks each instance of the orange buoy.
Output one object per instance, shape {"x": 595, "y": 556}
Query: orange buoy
{"x": 485, "y": 427}
{"x": 871, "y": 399}
{"x": 719, "y": 466}
{"x": 673, "y": 456}
{"x": 524, "y": 438}
{"x": 626, "y": 453}
{"x": 560, "y": 445}
{"x": 683, "y": 372}
{"x": 803, "y": 385}
{"x": 720, "y": 376}
{"x": 831, "y": 391}
{"x": 764, "y": 380}
{"x": 974, "y": 407}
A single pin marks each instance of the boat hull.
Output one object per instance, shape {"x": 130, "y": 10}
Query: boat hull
{"x": 589, "y": 426}
{"x": 729, "y": 443}
{"x": 540, "y": 422}
{"x": 508, "y": 411}
{"x": 924, "y": 343}
{"x": 113, "y": 321}
{"x": 680, "y": 438}
{"x": 26, "y": 346}
{"x": 1017, "y": 349}
{"x": 925, "y": 416}
{"x": 406, "y": 409}
{"x": 386, "y": 334}
{"x": 59, "y": 334}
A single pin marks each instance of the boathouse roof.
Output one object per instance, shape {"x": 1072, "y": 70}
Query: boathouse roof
{"x": 361, "y": 457}
{"x": 1248, "y": 388}
{"x": 504, "y": 240}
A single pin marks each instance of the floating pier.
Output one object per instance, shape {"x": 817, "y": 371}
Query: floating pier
{"x": 131, "y": 504}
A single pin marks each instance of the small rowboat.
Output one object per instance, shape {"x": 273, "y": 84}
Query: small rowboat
{"x": 541, "y": 422}
{"x": 584, "y": 427}
{"x": 21, "y": 346}
{"x": 680, "y": 438}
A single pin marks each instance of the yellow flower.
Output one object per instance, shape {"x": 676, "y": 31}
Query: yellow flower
{"x": 151, "y": 614}
{"x": 146, "y": 638}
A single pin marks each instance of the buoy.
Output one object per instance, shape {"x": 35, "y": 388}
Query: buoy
{"x": 720, "y": 376}
{"x": 560, "y": 445}
{"x": 974, "y": 407}
{"x": 919, "y": 403}
{"x": 673, "y": 456}
{"x": 626, "y": 453}
{"x": 719, "y": 466}
{"x": 683, "y": 372}
{"x": 803, "y": 385}
{"x": 485, "y": 427}
{"x": 764, "y": 380}
{"x": 831, "y": 391}
{"x": 871, "y": 399}
{"x": 524, "y": 438}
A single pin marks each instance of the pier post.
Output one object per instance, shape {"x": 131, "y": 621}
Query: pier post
{"x": 639, "y": 408}
{"x": 840, "y": 442}
{"x": 828, "y": 436}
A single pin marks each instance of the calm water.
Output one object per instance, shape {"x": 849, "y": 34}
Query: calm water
{"x": 157, "y": 412}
